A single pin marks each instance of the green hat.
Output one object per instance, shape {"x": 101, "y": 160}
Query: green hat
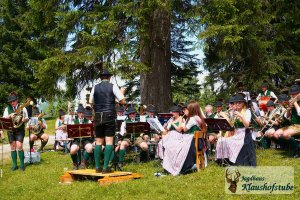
{"x": 270, "y": 103}
{"x": 218, "y": 103}
{"x": 295, "y": 89}
{"x": 283, "y": 97}
{"x": 80, "y": 109}
{"x": 12, "y": 98}
{"x": 175, "y": 109}
{"x": 239, "y": 98}
{"x": 131, "y": 110}
{"x": 264, "y": 84}
{"x": 151, "y": 108}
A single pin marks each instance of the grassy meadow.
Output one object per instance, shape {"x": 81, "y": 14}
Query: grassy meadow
{"x": 41, "y": 181}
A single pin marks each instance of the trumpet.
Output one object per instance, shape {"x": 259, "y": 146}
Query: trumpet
{"x": 293, "y": 100}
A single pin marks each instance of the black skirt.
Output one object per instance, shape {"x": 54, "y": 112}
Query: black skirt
{"x": 247, "y": 155}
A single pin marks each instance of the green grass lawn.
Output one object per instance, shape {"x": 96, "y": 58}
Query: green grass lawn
{"x": 41, "y": 181}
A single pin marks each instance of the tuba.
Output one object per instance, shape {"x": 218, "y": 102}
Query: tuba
{"x": 36, "y": 129}
{"x": 17, "y": 118}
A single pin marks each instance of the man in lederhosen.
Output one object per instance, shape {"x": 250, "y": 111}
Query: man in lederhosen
{"x": 16, "y": 137}
{"x": 103, "y": 97}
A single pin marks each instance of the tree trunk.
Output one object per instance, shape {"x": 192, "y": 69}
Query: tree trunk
{"x": 156, "y": 54}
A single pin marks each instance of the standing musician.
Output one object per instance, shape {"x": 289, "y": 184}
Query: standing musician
{"x": 293, "y": 114}
{"x": 84, "y": 143}
{"x": 16, "y": 137}
{"x": 140, "y": 142}
{"x": 238, "y": 149}
{"x": 36, "y": 127}
{"x": 103, "y": 98}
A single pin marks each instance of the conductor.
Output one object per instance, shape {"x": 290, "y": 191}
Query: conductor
{"x": 103, "y": 98}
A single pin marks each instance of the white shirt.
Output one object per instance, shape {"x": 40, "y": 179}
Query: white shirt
{"x": 34, "y": 121}
{"x": 25, "y": 114}
{"x": 265, "y": 93}
{"x": 195, "y": 120}
{"x": 117, "y": 92}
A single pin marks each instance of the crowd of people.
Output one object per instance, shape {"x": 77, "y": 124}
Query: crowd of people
{"x": 264, "y": 119}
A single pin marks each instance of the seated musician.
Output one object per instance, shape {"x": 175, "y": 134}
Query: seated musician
{"x": 239, "y": 148}
{"x": 150, "y": 113}
{"x": 121, "y": 113}
{"x": 269, "y": 124}
{"x": 291, "y": 132}
{"x": 125, "y": 142}
{"x": 179, "y": 149}
{"x": 37, "y": 124}
{"x": 60, "y": 130}
{"x": 266, "y": 93}
{"x": 283, "y": 100}
{"x": 78, "y": 143}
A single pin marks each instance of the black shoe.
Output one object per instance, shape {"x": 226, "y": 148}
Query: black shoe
{"x": 296, "y": 155}
{"x": 82, "y": 165}
{"x": 107, "y": 171}
{"x": 22, "y": 168}
{"x": 98, "y": 170}
{"x": 14, "y": 168}
{"x": 75, "y": 166}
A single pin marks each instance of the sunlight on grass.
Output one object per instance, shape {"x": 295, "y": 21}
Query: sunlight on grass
{"x": 41, "y": 181}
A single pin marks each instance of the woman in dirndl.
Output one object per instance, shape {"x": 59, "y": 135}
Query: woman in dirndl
{"x": 238, "y": 149}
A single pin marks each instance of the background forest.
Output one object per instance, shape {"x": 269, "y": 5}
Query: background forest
{"x": 151, "y": 44}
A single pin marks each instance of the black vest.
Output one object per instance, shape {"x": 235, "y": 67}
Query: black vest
{"x": 104, "y": 97}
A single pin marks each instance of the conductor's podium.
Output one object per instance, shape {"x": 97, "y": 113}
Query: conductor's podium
{"x": 103, "y": 179}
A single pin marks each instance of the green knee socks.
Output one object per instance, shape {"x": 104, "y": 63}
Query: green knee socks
{"x": 97, "y": 155}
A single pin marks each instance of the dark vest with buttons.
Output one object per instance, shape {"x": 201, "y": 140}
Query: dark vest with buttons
{"x": 104, "y": 97}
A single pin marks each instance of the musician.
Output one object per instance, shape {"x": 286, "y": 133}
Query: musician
{"x": 16, "y": 137}
{"x": 140, "y": 141}
{"x": 103, "y": 97}
{"x": 239, "y": 148}
{"x": 88, "y": 113}
{"x": 194, "y": 118}
{"x": 151, "y": 114}
{"x": 211, "y": 136}
{"x": 177, "y": 149}
{"x": 78, "y": 143}
{"x": 269, "y": 124}
{"x": 266, "y": 92}
{"x": 293, "y": 114}
{"x": 41, "y": 126}
{"x": 218, "y": 105}
{"x": 121, "y": 113}
{"x": 60, "y": 130}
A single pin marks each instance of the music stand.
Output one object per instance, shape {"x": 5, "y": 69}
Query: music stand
{"x": 80, "y": 131}
{"x": 219, "y": 124}
{"x": 5, "y": 124}
{"x": 164, "y": 117}
{"x": 137, "y": 127}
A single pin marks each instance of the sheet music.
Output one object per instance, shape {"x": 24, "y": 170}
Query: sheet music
{"x": 155, "y": 124}
{"x": 121, "y": 118}
{"x": 68, "y": 119}
{"x": 34, "y": 121}
{"x": 143, "y": 118}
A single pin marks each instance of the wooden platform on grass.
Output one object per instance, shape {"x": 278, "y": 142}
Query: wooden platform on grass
{"x": 103, "y": 179}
